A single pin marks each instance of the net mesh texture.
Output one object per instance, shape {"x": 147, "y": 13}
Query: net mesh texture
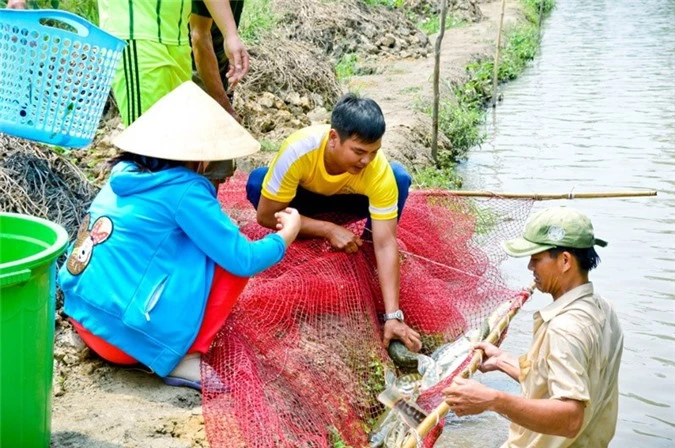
{"x": 300, "y": 361}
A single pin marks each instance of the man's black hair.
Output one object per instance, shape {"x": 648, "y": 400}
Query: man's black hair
{"x": 588, "y": 259}
{"x": 146, "y": 164}
{"x": 359, "y": 118}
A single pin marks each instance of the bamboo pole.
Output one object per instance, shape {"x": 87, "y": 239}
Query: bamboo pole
{"x": 550, "y": 196}
{"x": 442, "y": 409}
{"x": 495, "y": 72}
{"x": 437, "y": 80}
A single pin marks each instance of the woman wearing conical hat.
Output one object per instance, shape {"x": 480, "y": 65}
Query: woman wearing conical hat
{"x": 157, "y": 265}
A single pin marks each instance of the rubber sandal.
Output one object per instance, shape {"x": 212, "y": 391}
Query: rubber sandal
{"x": 182, "y": 382}
{"x": 216, "y": 385}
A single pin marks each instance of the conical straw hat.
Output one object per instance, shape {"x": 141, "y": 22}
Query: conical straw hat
{"x": 187, "y": 124}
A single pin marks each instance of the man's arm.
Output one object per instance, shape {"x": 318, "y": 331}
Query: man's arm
{"x": 547, "y": 416}
{"x": 509, "y": 365}
{"x": 339, "y": 237}
{"x": 389, "y": 274}
{"x": 558, "y": 417}
{"x": 221, "y": 12}
{"x": 206, "y": 61}
{"x": 496, "y": 359}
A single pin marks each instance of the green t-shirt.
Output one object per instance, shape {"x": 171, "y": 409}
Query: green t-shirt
{"x": 163, "y": 21}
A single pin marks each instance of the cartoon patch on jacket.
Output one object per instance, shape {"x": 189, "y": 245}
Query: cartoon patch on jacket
{"x": 85, "y": 242}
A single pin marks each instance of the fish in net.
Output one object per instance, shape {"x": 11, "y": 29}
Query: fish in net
{"x": 300, "y": 361}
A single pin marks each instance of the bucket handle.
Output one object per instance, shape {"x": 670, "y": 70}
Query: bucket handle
{"x": 78, "y": 23}
{"x": 12, "y": 278}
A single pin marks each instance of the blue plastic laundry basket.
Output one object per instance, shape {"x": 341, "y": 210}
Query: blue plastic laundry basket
{"x": 55, "y": 74}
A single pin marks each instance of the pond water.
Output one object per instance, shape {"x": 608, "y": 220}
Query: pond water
{"x": 596, "y": 112}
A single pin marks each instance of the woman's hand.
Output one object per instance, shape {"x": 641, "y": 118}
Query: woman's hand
{"x": 288, "y": 224}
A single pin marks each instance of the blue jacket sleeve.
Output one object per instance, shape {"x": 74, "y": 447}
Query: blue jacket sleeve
{"x": 201, "y": 218}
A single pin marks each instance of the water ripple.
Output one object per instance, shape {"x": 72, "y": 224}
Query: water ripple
{"x": 596, "y": 112}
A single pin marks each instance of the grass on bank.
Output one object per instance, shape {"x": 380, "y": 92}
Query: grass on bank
{"x": 386, "y": 3}
{"x": 347, "y": 66}
{"x": 257, "y": 18}
{"x": 427, "y": 21}
{"x": 431, "y": 177}
{"x": 462, "y": 114}
{"x": 431, "y": 24}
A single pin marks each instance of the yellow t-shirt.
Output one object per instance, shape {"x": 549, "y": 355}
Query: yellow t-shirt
{"x": 300, "y": 162}
{"x": 575, "y": 354}
{"x": 163, "y": 21}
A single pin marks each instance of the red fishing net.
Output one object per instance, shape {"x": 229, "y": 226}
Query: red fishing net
{"x": 300, "y": 360}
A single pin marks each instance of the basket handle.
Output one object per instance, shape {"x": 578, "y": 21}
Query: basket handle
{"x": 81, "y": 25}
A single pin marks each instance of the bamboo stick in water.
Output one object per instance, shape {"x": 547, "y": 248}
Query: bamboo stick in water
{"x": 550, "y": 196}
{"x": 495, "y": 68}
{"x": 442, "y": 409}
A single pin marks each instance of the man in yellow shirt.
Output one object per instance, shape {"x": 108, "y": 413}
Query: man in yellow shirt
{"x": 340, "y": 168}
{"x": 569, "y": 377}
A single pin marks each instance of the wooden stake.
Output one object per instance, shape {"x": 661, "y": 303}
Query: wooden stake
{"x": 442, "y": 409}
{"x": 437, "y": 80}
{"x": 495, "y": 72}
{"x": 550, "y": 196}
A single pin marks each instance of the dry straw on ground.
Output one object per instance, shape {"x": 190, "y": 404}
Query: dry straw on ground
{"x": 348, "y": 26}
{"x": 279, "y": 65}
{"x": 37, "y": 181}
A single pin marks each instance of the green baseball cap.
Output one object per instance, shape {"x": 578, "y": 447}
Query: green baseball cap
{"x": 554, "y": 227}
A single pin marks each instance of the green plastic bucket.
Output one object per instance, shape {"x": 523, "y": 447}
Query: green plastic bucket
{"x": 29, "y": 248}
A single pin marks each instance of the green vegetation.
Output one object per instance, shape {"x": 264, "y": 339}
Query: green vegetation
{"x": 336, "y": 439}
{"x": 432, "y": 24}
{"x": 432, "y": 177}
{"x": 521, "y": 47}
{"x": 531, "y": 9}
{"x": 347, "y": 66}
{"x": 351, "y": 65}
{"x": 87, "y": 9}
{"x": 269, "y": 145}
{"x": 486, "y": 218}
{"x": 386, "y": 3}
{"x": 257, "y": 19}
{"x": 411, "y": 89}
{"x": 461, "y": 114}
{"x": 375, "y": 382}
{"x": 460, "y": 121}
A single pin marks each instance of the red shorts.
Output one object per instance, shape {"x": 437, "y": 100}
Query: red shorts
{"x": 224, "y": 293}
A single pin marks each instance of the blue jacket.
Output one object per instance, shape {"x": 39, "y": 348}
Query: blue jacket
{"x": 140, "y": 272}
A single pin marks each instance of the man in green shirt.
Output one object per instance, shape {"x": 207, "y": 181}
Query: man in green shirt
{"x": 211, "y": 68}
{"x": 157, "y": 57}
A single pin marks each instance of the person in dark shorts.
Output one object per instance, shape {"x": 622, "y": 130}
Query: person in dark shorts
{"x": 210, "y": 67}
